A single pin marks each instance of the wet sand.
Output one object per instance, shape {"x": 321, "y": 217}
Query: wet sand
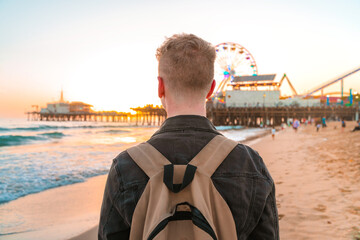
{"x": 59, "y": 213}
{"x": 317, "y": 188}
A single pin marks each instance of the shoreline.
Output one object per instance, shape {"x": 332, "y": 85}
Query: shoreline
{"x": 310, "y": 193}
{"x": 76, "y": 219}
{"x": 248, "y": 138}
{"x": 254, "y": 139}
{"x": 70, "y": 210}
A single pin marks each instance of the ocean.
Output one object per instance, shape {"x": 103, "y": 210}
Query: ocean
{"x": 36, "y": 156}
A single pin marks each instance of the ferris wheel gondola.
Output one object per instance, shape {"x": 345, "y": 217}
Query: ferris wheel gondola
{"x": 232, "y": 60}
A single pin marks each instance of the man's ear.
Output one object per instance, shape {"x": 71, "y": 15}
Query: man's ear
{"x": 213, "y": 84}
{"x": 161, "y": 87}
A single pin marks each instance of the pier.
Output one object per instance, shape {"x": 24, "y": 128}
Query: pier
{"x": 150, "y": 115}
{"x": 147, "y": 115}
{"x": 274, "y": 116}
{"x": 80, "y": 116}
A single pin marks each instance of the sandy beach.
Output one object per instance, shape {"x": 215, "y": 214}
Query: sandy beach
{"x": 317, "y": 180}
{"x": 316, "y": 176}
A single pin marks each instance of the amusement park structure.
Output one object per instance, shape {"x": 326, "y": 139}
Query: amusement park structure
{"x": 331, "y": 82}
{"x": 232, "y": 60}
{"x": 248, "y": 98}
{"x": 240, "y": 85}
{"x": 288, "y": 81}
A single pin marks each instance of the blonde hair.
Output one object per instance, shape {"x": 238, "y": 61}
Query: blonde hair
{"x": 186, "y": 63}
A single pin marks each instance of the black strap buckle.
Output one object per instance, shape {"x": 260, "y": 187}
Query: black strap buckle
{"x": 169, "y": 174}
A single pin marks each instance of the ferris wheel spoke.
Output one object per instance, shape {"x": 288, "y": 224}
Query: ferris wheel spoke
{"x": 241, "y": 62}
{"x": 237, "y": 62}
{"x": 222, "y": 62}
{"x": 223, "y": 66}
{"x": 248, "y": 69}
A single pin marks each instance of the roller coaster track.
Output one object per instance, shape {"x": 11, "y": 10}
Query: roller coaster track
{"x": 332, "y": 81}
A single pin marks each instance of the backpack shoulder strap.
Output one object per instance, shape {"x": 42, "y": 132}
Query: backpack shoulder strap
{"x": 148, "y": 158}
{"x": 213, "y": 154}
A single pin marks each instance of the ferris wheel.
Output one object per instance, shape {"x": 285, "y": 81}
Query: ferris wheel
{"x": 232, "y": 60}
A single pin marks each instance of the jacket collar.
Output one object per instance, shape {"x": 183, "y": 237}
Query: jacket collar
{"x": 186, "y": 122}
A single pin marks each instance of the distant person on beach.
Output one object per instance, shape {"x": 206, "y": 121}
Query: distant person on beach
{"x": 318, "y": 126}
{"x": 357, "y": 128}
{"x": 296, "y": 125}
{"x": 343, "y": 125}
{"x": 242, "y": 181}
{"x": 273, "y": 133}
{"x": 324, "y": 122}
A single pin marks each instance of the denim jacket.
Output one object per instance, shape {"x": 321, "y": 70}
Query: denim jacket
{"x": 242, "y": 180}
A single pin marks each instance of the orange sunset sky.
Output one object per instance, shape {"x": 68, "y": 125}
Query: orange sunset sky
{"x": 103, "y": 52}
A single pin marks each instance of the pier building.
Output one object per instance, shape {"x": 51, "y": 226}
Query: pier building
{"x": 65, "y": 107}
{"x": 78, "y": 111}
{"x": 259, "y": 91}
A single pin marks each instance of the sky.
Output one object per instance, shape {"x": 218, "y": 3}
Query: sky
{"x": 103, "y": 52}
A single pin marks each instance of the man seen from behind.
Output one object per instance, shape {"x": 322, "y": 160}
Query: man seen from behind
{"x": 186, "y": 79}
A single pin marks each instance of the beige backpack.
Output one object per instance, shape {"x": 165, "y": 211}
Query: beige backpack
{"x": 181, "y": 201}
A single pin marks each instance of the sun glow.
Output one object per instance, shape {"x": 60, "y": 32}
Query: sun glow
{"x": 104, "y": 54}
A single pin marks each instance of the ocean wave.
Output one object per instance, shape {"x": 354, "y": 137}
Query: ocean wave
{"x": 12, "y": 233}
{"x": 115, "y": 131}
{"x": 26, "y": 186}
{"x": 244, "y": 134}
{"x": 53, "y": 134}
{"x": 28, "y": 170}
{"x": 15, "y": 140}
{"x": 50, "y": 127}
{"x": 224, "y": 128}
{"x": 38, "y": 128}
